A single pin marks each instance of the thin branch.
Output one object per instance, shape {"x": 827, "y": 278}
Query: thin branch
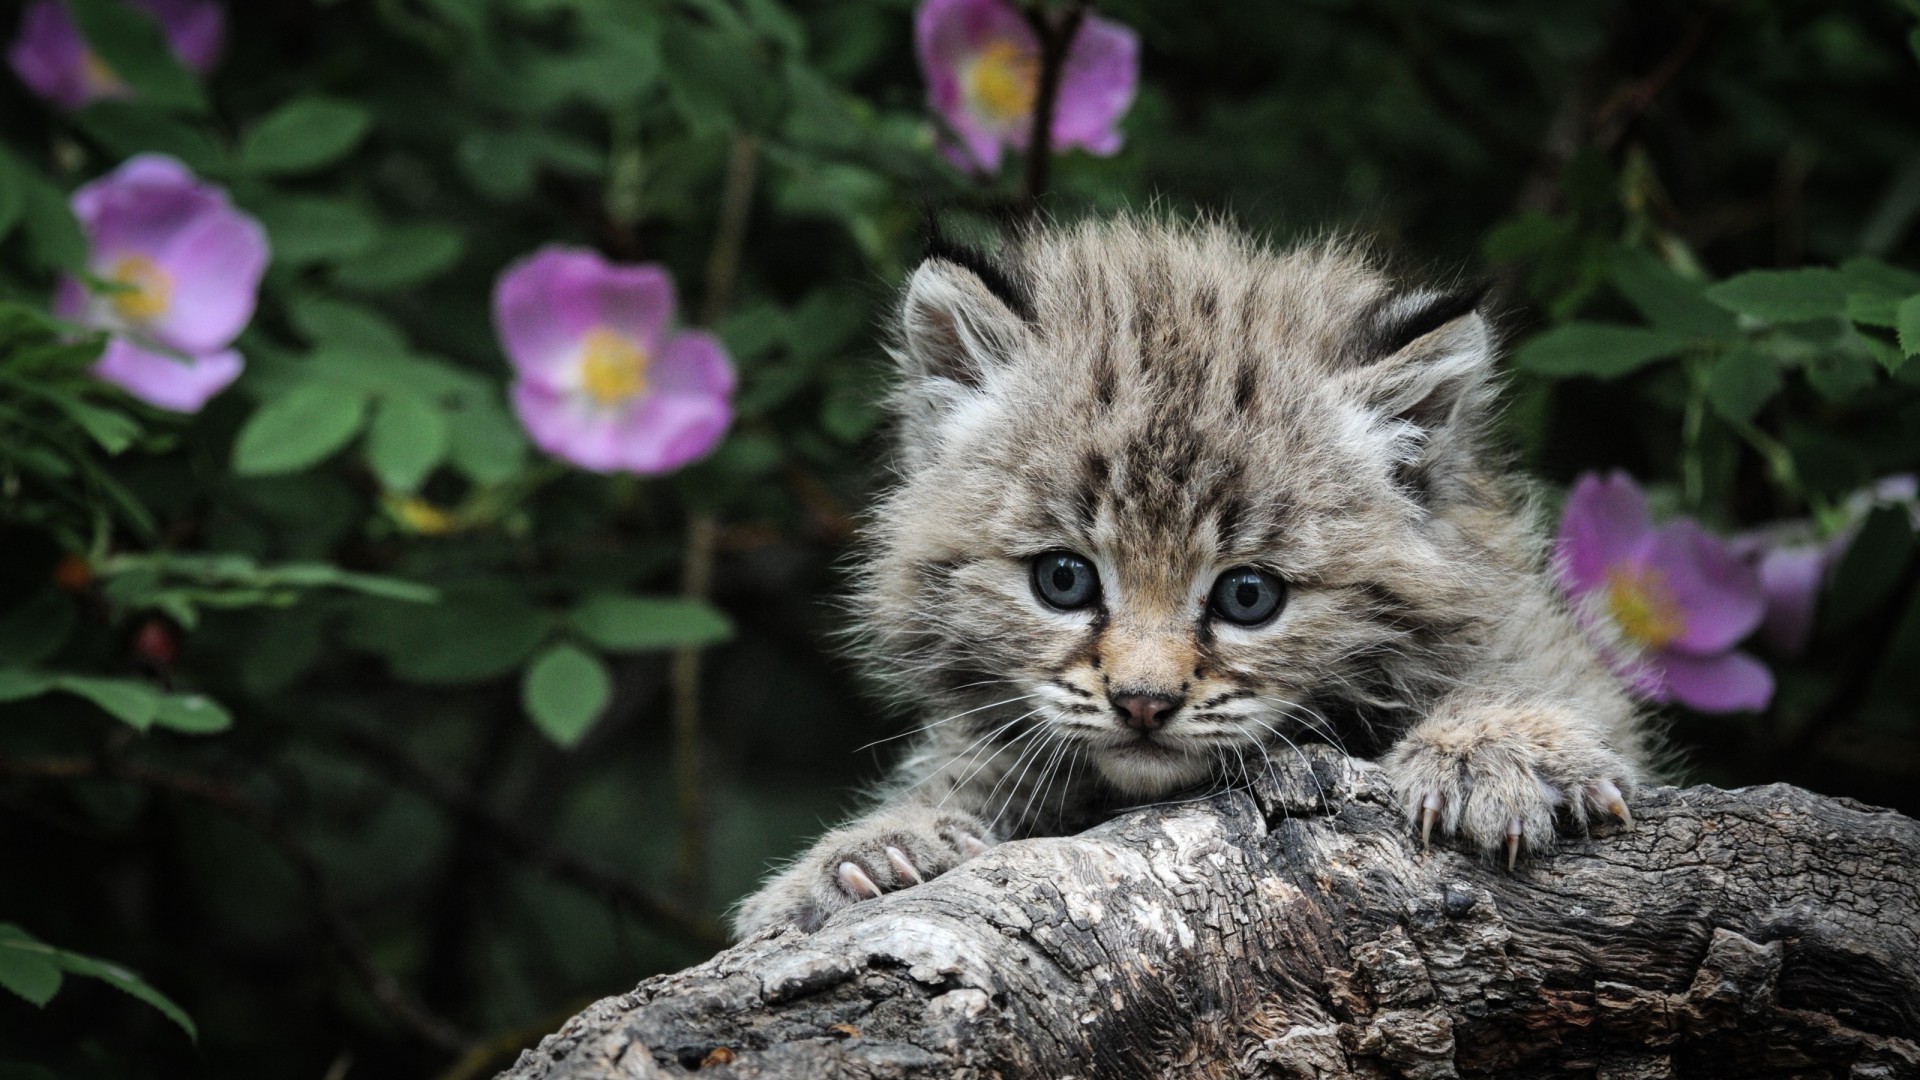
{"x": 1056, "y": 37}
{"x": 384, "y": 988}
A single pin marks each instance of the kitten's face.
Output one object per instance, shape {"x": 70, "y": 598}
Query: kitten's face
{"x": 1159, "y": 522}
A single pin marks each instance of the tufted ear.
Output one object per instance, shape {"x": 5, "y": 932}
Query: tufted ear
{"x": 959, "y": 321}
{"x": 1423, "y": 367}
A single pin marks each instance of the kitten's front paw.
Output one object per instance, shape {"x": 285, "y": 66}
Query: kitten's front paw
{"x": 1501, "y": 779}
{"x": 887, "y": 851}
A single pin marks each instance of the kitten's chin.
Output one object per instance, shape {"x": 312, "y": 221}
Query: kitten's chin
{"x": 1141, "y": 770}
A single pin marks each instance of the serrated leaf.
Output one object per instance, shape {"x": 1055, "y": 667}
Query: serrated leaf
{"x": 297, "y": 430}
{"x": 1907, "y": 325}
{"x": 406, "y": 255}
{"x": 565, "y": 690}
{"x": 620, "y": 623}
{"x": 1874, "y": 309}
{"x": 54, "y": 238}
{"x": 1741, "y": 381}
{"x": 304, "y": 134}
{"x": 20, "y": 951}
{"x": 407, "y": 438}
{"x": 1784, "y": 295}
{"x": 1602, "y": 350}
{"x": 126, "y": 128}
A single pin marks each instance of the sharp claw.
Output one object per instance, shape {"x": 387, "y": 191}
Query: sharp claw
{"x": 1608, "y": 794}
{"x": 1429, "y": 813}
{"x": 972, "y": 845}
{"x": 856, "y": 882}
{"x": 903, "y": 866}
{"x": 1514, "y": 831}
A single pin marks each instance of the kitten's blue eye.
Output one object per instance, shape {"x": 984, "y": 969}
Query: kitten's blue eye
{"x": 1248, "y": 596}
{"x": 1065, "y": 580}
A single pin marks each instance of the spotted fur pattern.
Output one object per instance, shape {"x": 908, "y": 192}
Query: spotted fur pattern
{"x": 1171, "y": 402}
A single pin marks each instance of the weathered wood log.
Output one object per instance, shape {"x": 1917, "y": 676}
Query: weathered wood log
{"x": 1298, "y": 930}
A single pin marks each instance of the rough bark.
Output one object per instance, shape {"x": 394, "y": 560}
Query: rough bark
{"x": 1298, "y": 930}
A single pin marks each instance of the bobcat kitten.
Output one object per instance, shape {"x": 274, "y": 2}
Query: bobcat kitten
{"x": 1169, "y": 502}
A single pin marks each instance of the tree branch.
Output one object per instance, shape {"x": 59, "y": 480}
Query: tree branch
{"x": 1298, "y": 931}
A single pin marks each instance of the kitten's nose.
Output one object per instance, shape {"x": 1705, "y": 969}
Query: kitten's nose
{"x": 1144, "y": 712}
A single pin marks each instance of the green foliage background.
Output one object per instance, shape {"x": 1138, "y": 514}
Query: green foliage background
{"x": 405, "y": 798}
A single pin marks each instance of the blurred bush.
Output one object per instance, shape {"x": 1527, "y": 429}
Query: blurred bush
{"x": 376, "y": 740}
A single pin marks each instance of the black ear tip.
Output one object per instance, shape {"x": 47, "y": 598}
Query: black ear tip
{"x": 999, "y": 280}
{"x": 1402, "y": 320}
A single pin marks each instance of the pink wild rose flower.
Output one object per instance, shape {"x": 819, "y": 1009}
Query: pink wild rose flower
{"x": 1674, "y": 592}
{"x": 55, "y": 62}
{"x": 599, "y": 380}
{"x": 982, "y": 63}
{"x": 185, "y": 267}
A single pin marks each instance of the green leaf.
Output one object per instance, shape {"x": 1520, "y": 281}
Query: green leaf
{"x": 1907, "y": 325}
{"x": 126, "y": 128}
{"x": 565, "y": 690}
{"x": 21, "y": 953}
{"x": 297, "y": 430}
{"x": 53, "y": 236}
{"x": 13, "y": 199}
{"x": 130, "y": 43}
{"x": 620, "y": 623}
{"x": 407, "y": 439}
{"x": 1838, "y": 375}
{"x": 1874, "y": 309}
{"x": 476, "y": 632}
{"x": 114, "y": 431}
{"x": 406, "y": 255}
{"x": 133, "y": 703}
{"x": 1742, "y": 381}
{"x": 1667, "y": 300}
{"x": 1784, "y": 295}
{"x": 309, "y": 229}
{"x": 1602, "y": 350}
{"x": 325, "y": 321}
{"x": 304, "y": 134}
{"x": 1871, "y": 566}
{"x": 17, "y": 684}
{"x": 486, "y": 444}
{"x": 26, "y": 968}
{"x": 192, "y": 714}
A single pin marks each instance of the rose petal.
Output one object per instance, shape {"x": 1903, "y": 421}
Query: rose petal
{"x": 1718, "y": 595}
{"x": 1729, "y": 682}
{"x": 159, "y": 379}
{"x": 50, "y": 56}
{"x": 215, "y": 263}
{"x": 695, "y": 363}
{"x": 1791, "y": 578}
{"x": 195, "y": 29}
{"x": 666, "y": 431}
{"x": 1096, "y": 86}
{"x": 544, "y": 304}
{"x": 947, "y": 36}
{"x": 1605, "y": 523}
{"x": 140, "y": 206}
{"x": 655, "y": 434}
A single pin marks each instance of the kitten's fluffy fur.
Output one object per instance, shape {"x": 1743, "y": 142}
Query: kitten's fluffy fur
{"x": 1171, "y": 402}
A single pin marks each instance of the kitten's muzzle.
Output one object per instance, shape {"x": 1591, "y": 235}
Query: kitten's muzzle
{"x": 1144, "y": 712}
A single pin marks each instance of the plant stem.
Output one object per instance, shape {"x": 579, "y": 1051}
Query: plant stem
{"x": 703, "y": 527}
{"x": 1055, "y": 36}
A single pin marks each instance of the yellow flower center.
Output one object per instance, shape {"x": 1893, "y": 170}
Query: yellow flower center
{"x": 613, "y": 367}
{"x": 145, "y": 289}
{"x": 1642, "y": 606}
{"x": 420, "y": 516}
{"x": 99, "y": 76}
{"x": 1003, "y": 80}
